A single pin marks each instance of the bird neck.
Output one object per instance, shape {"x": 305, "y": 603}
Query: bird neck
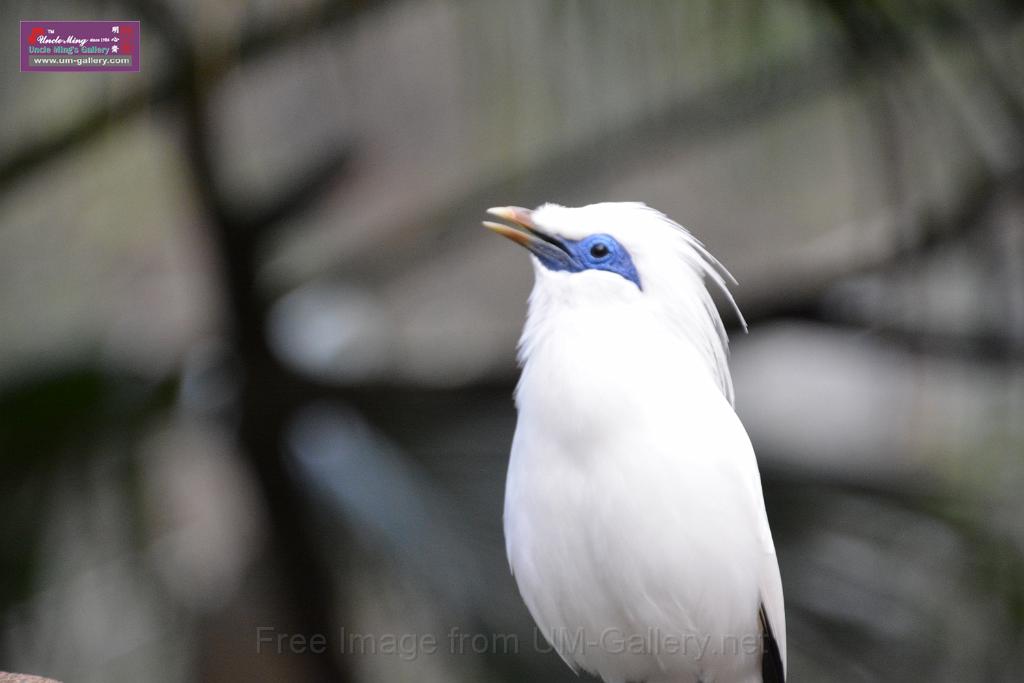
{"x": 609, "y": 334}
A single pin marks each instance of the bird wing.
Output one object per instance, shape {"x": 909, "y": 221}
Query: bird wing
{"x": 773, "y": 667}
{"x": 772, "y": 611}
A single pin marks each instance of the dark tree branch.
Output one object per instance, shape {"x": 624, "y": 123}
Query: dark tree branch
{"x": 265, "y": 404}
{"x": 932, "y": 232}
{"x": 302, "y": 193}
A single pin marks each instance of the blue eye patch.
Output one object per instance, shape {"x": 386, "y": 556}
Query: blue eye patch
{"x": 594, "y": 252}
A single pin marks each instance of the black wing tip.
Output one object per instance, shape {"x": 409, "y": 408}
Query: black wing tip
{"x": 772, "y": 670}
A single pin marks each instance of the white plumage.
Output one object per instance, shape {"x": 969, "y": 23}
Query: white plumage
{"x": 634, "y": 519}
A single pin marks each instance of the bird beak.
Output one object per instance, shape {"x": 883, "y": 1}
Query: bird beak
{"x": 551, "y": 251}
{"x": 522, "y": 231}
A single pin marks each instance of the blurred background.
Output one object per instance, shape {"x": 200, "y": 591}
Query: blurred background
{"x": 257, "y": 355}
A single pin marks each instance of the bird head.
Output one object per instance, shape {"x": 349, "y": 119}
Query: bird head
{"x": 616, "y": 253}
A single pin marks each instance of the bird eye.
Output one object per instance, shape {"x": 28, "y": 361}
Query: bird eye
{"x": 599, "y": 250}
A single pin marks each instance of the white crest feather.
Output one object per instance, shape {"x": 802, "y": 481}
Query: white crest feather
{"x": 709, "y": 335}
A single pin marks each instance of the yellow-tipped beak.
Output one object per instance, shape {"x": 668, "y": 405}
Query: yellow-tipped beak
{"x": 549, "y": 249}
{"x": 521, "y": 230}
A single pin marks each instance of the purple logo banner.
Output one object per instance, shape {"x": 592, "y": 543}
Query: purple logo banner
{"x": 80, "y": 46}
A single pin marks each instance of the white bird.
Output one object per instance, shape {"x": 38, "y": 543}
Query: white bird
{"x": 634, "y": 519}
